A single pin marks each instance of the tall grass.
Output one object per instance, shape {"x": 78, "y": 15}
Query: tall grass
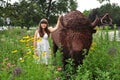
{"x": 17, "y": 60}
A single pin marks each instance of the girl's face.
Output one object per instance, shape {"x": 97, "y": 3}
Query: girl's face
{"x": 43, "y": 25}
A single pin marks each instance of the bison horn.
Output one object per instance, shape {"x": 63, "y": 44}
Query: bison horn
{"x": 95, "y": 22}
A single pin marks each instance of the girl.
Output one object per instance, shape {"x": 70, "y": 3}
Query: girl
{"x": 41, "y": 44}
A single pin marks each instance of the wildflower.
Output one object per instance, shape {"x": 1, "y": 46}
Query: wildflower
{"x": 9, "y": 64}
{"x": 29, "y": 52}
{"x": 15, "y": 51}
{"x": 6, "y": 59}
{"x": 22, "y": 41}
{"x": 26, "y": 37}
{"x": 49, "y": 49}
{"x": 27, "y": 40}
{"x": 97, "y": 28}
{"x": 17, "y": 71}
{"x": 32, "y": 39}
{"x": 21, "y": 60}
{"x": 13, "y": 65}
{"x": 50, "y": 54}
{"x": 58, "y": 78}
{"x": 93, "y": 46}
{"x": 27, "y": 45}
{"x": 44, "y": 53}
{"x": 112, "y": 51}
{"x": 35, "y": 56}
{"x": 59, "y": 68}
{"x": 33, "y": 48}
{"x": 39, "y": 39}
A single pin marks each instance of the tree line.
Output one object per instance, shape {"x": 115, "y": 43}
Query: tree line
{"x": 27, "y": 13}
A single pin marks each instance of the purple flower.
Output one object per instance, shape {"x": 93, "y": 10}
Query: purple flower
{"x": 17, "y": 71}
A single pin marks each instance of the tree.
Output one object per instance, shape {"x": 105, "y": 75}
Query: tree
{"x": 29, "y": 12}
{"x": 101, "y": 1}
{"x": 53, "y": 8}
{"x": 86, "y": 13}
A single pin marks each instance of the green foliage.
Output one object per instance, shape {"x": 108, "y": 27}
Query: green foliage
{"x": 86, "y": 13}
{"x": 101, "y": 63}
{"x": 101, "y": 1}
{"x": 29, "y": 13}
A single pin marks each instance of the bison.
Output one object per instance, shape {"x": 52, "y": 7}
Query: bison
{"x": 74, "y": 37}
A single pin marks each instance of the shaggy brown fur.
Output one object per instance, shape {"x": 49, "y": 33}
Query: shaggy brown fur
{"x": 73, "y": 36}
{"x": 75, "y": 20}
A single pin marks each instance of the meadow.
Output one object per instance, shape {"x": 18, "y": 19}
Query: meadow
{"x": 17, "y": 59}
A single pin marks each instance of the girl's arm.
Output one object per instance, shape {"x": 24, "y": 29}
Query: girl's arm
{"x": 51, "y": 29}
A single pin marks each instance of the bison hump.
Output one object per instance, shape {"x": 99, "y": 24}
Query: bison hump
{"x": 75, "y": 19}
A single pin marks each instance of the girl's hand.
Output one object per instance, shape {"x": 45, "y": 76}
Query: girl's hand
{"x": 35, "y": 52}
{"x": 59, "y": 18}
{"x": 51, "y": 29}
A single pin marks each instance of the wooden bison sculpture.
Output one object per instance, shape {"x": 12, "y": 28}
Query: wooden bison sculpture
{"x": 74, "y": 37}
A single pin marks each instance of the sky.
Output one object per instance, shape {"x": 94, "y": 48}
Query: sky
{"x": 88, "y": 4}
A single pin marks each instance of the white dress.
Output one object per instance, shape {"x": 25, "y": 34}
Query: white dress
{"x": 43, "y": 48}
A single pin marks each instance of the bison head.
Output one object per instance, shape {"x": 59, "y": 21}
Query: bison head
{"x": 74, "y": 35}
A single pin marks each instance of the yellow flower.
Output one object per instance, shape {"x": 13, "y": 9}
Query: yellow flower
{"x": 22, "y": 40}
{"x": 21, "y": 60}
{"x": 35, "y": 56}
{"x": 15, "y": 51}
{"x": 26, "y": 37}
{"x": 32, "y": 39}
{"x": 27, "y": 40}
{"x": 27, "y": 45}
{"x": 39, "y": 39}
{"x": 33, "y": 48}
{"x": 49, "y": 49}
{"x": 50, "y": 55}
{"x": 29, "y": 52}
{"x": 97, "y": 28}
{"x": 93, "y": 46}
{"x": 44, "y": 53}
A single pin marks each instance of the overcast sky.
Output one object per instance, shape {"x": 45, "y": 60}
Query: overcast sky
{"x": 88, "y": 4}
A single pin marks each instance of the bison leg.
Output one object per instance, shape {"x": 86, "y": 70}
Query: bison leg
{"x": 55, "y": 47}
{"x": 65, "y": 56}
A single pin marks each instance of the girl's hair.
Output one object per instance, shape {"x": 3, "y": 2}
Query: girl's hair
{"x": 41, "y": 33}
